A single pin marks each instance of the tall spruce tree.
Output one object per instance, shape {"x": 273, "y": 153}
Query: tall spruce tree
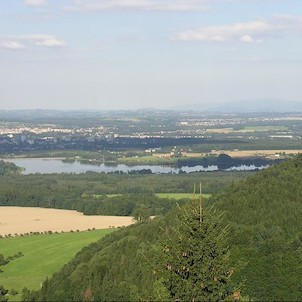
{"x": 193, "y": 262}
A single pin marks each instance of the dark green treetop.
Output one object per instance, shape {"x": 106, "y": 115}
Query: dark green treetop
{"x": 193, "y": 260}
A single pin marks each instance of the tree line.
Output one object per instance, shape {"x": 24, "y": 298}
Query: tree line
{"x": 89, "y": 193}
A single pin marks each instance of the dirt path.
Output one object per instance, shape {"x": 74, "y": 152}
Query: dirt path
{"x": 19, "y": 220}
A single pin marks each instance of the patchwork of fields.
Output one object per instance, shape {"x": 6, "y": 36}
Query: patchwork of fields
{"x": 44, "y": 254}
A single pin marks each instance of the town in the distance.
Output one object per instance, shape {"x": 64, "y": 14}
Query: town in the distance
{"x": 148, "y": 136}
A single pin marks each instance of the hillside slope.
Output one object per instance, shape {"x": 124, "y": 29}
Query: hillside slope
{"x": 150, "y": 261}
{"x": 113, "y": 269}
{"x": 264, "y": 213}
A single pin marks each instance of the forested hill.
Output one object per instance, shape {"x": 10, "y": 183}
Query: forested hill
{"x": 113, "y": 269}
{"x": 150, "y": 261}
{"x": 272, "y": 197}
{"x": 264, "y": 214}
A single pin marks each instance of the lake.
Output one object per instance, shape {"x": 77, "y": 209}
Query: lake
{"x": 46, "y": 166}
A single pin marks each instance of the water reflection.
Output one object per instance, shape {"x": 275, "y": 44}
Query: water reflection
{"x": 45, "y": 166}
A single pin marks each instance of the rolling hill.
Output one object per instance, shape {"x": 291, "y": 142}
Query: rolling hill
{"x": 263, "y": 213}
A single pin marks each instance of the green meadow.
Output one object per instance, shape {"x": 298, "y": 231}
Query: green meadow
{"x": 180, "y": 195}
{"x": 146, "y": 160}
{"x": 43, "y": 256}
{"x": 164, "y": 195}
{"x": 160, "y": 195}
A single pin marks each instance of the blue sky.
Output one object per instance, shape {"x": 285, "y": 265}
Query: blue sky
{"x": 127, "y": 54}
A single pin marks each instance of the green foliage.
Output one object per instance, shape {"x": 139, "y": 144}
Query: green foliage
{"x": 3, "y": 292}
{"x": 141, "y": 213}
{"x": 7, "y": 168}
{"x": 77, "y": 192}
{"x": 193, "y": 259}
{"x": 264, "y": 213}
{"x": 113, "y": 269}
{"x": 3, "y": 261}
{"x": 121, "y": 266}
{"x": 13, "y": 292}
{"x": 127, "y": 205}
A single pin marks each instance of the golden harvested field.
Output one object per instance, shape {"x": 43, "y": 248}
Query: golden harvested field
{"x": 247, "y": 153}
{"x": 19, "y": 220}
{"x": 220, "y": 130}
{"x": 242, "y": 153}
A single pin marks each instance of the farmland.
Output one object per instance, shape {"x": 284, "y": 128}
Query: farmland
{"x": 43, "y": 256}
{"x": 262, "y": 153}
{"x": 18, "y": 220}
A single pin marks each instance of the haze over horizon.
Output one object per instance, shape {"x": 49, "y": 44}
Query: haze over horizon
{"x": 130, "y": 54}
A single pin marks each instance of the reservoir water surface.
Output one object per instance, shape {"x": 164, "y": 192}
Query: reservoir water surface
{"x": 46, "y": 166}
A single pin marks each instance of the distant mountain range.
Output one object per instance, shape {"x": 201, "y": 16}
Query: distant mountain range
{"x": 246, "y": 106}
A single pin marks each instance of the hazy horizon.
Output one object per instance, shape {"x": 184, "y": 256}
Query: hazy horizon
{"x": 162, "y": 54}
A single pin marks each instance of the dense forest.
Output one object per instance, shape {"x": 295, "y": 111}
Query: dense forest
{"x": 262, "y": 215}
{"x": 7, "y": 168}
{"x": 108, "y": 194}
{"x": 265, "y": 213}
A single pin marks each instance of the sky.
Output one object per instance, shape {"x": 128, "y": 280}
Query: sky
{"x": 132, "y": 54}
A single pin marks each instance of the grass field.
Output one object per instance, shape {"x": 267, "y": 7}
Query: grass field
{"x": 147, "y": 160}
{"x": 179, "y": 195}
{"x": 43, "y": 256}
{"x": 161, "y": 195}
{"x": 248, "y": 129}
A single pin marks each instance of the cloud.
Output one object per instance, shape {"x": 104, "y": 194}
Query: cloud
{"x": 28, "y": 41}
{"x": 248, "y": 32}
{"x": 12, "y": 45}
{"x": 45, "y": 40}
{"x": 138, "y": 5}
{"x": 34, "y": 2}
{"x": 148, "y": 5}
{"x": 247, "y": 39}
